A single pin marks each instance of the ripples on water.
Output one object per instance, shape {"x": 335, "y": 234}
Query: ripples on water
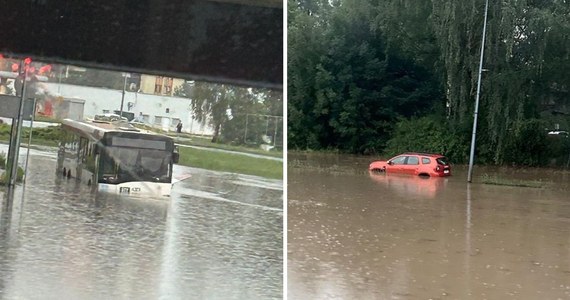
{"x": 355, "y": 235}
{"x": 219, "y": 236}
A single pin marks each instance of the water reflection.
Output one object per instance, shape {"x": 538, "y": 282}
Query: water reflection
{"x": 66, "y": 242}
{"x": 411, "y": 186}
{"x": 356, "y": 236}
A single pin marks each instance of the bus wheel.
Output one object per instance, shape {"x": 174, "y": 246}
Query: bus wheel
{"x": 68, "y": 173}
{"x": 64, "y": 172}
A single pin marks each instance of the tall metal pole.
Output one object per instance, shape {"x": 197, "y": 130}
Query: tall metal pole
{"x": 16, "y": 145}
{"x": 32, "y": 116}
{"x": 59, "y": 84}
{"x": 275, "y": 133}
{"x": 472, "y": 152}
{"x": 123, "y": 97}
{"x": 245, "y": 134}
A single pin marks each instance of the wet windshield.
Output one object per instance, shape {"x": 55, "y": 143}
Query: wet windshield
{"x": 130, "y": 164}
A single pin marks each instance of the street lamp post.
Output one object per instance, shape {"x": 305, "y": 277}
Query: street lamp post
{"x": 125, "y": 75}
{"x": 476, "y": 112}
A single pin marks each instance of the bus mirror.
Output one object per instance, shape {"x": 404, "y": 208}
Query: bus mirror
{"x": 175, "y": 157}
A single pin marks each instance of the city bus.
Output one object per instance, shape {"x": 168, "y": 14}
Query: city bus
{"x": 112, "y": 156}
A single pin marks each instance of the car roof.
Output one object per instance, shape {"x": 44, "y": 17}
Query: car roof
{"x": 423, "y": 154}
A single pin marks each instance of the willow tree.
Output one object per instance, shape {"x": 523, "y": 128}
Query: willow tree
{"x": 210, "y": 103}
{"x": 526, "y": 42}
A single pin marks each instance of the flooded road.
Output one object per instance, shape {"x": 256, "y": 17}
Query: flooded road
{"x": 355, "y": 235}
{"x": 219, "y": 236}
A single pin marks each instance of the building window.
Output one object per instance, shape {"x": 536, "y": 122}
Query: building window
{"x": 158, "y": 85}
{"x": 168, "y": 85}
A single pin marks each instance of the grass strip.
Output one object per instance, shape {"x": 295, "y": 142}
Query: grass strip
{"x": 206, "y": 142}
{"x": 229, "y": 162}
{"x": 495, "y": 180}
{"x": 198, "y": 158}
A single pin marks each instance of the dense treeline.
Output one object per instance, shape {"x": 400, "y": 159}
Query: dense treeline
{"x": 383, "y": 76}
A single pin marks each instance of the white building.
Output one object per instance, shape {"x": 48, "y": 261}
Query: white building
{"x": 160, "y": 111}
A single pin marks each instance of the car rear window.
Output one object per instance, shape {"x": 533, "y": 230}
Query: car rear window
{"x": 442, "y": 161}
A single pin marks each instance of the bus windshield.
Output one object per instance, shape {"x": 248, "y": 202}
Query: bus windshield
{"x": 121, "y": 164}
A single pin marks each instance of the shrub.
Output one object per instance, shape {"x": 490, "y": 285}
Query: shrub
{"x": 428, "y": 134}
{"x": 19, "y": 176}
{"x": 527, "y": 145}
{"x": 2, "y": 160}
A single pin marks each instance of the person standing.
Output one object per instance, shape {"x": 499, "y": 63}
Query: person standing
{"x": 179, "y": 127}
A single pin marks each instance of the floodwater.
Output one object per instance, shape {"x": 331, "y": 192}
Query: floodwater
{"x": 219, "y": 236}
{"x": 355, "y": 235}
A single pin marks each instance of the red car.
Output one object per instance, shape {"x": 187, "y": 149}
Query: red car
{"x": 423, "y": 164}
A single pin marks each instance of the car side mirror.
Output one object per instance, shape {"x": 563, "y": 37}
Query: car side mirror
{"x": 390, "y": 163}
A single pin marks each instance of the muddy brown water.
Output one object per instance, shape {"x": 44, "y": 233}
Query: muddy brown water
{"x": 355, "y": 235}
{"x": 219, "y": 236}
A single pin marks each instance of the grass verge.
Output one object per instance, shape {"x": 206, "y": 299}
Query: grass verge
{"x": 205, "y": 159}
{"x": 228, "y": 162}
{"x": 495, "y": 180}
{"x": 48, "y": 136}
{"x": 19, "y": 174}
{"x": 205, "y": 141}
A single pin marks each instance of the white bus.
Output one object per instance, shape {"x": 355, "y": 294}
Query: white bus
{"x": 113, "y": 156}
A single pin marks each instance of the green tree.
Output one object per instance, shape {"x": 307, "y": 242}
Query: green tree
{"x": 226, "y": 107}
{"x": 358, "y": 73}
{"x": 346, "y": 87}
{"x": 527, "y": 48}
{"x": 210, "y": 103}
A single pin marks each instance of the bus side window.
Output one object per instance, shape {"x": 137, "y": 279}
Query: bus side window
{"x": 90, "y": 156}
{"x": 83, "y": 153}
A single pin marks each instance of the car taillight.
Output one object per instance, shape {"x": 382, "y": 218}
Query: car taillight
{"x": 437, "y": 168}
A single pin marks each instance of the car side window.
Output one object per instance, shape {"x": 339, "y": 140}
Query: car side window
{"x": 399, "y": 160}
{"x": 426, "y": 161}
{"x": 413, "y": 160}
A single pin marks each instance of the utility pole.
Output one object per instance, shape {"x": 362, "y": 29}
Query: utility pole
{"x": 275, "y": 133}
{"x": 32, "y": 116}
{"x": 59, "y": 84}
{"x": 12, "y": 159}
{"x": 125, "y": 75}
{"x": 245, "y": 134}
{"x": 473, "y": 137}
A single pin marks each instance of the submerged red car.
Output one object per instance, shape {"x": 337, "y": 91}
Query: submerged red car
{"x": 423, "y": 164}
